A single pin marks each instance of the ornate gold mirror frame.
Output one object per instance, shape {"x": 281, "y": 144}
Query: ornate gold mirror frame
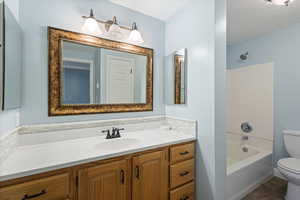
{"x": 56, "y": 108}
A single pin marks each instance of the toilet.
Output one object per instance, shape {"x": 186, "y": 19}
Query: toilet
{"x": 290, "y": 167}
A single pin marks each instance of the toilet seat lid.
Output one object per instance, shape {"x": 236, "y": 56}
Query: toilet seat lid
{"x": 290, "y": 164}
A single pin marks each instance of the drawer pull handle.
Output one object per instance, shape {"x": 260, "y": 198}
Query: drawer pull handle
{"x": 184, "y": 153}
{"x": 185, "y": 198}
{"x": 34, "y": 195}
{"x": 184, "y": 173}
{"x": 122, "y": 173}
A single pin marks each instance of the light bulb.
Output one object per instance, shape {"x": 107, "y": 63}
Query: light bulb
{"x": 115, "y": 31}
{"x": 91, "y": 26}
{"x": 280, "y": 2}
{"x": 136, "y": 37}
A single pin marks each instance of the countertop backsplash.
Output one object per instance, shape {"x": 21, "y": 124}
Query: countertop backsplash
{"x": 38, "y": 134}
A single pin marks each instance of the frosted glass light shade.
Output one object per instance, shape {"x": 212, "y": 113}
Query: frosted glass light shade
{"x": 136, "y": 37}
{"x": 91, "y": 26}
{"x": 281, "y": 2}
{"x": 115, "y": 31}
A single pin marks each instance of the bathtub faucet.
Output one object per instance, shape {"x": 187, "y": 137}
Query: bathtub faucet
{"x": 245, "y": 137}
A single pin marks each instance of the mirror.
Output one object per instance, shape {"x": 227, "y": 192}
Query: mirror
{"x": 176, "y": 80}
{"x": 10, "y": 62}
{"x": 95, "y": 75}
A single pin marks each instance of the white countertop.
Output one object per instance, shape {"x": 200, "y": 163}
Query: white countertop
{"x": 38, "y": 158}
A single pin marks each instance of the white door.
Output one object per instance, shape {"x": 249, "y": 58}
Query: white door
{"x": 120, "y": 80}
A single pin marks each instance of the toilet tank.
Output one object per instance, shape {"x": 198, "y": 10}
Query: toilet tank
{"x": 292, "y": 143}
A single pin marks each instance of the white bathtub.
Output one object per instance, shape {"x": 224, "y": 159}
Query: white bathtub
{"x": 246, "y": 170}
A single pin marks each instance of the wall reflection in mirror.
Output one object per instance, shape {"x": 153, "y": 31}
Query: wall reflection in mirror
{"x": 176, "y": 81}
{"x": 10, "y": 59}
{"x": 93, "y": 75}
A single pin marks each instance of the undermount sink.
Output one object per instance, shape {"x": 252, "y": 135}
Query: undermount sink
{"x": 115, "y": 144}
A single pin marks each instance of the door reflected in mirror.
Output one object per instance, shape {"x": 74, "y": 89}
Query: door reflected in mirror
{"x": 93, "y": 75}
{"x": 176, "y": 80}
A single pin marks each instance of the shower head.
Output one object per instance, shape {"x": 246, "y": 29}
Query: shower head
{"x": 244, "y": 56}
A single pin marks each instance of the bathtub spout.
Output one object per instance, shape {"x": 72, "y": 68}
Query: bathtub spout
{"x": 245, "y": 137}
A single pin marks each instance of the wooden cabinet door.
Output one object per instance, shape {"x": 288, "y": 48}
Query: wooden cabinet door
{"x": 150, "y": 176}
{"x": 105, "y": 182}
{"x": 55, "y": 187}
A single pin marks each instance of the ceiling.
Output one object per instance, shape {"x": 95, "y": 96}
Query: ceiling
{"x": 250, "y": 18}
{"x": 161, "y": 9}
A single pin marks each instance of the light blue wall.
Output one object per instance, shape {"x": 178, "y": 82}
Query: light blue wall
{"x": 67, "y": 14}
{"x": 76, "y": 86}
{"x": 282, "y": 48}
{"x": 196, "y": 27}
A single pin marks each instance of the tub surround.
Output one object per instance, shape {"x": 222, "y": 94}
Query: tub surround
{"x": 41, "y": 148}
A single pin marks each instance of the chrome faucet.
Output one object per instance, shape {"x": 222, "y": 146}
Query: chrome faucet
{"x": 245, "y": 137}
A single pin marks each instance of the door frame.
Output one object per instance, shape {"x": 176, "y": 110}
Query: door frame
{"x": 84, "y": 61}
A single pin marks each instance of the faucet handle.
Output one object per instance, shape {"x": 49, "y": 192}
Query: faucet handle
{"x": 108, "y": 136}
{"x": 118, "y": 131}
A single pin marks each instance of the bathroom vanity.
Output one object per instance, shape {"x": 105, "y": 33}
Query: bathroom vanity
{"x": 152, "y": 174}
{"x": 157, "y": 163}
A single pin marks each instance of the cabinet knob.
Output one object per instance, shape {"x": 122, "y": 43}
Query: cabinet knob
{"x": 185, "y": 198}
{"x": 184, "y": 173}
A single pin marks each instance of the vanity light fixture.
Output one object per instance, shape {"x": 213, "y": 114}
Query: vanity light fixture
{"x": 135, "y": 36}
{"x": 280, "y": 2}
{"x": 91, "y": 25}
{"x": 112, "y": 27}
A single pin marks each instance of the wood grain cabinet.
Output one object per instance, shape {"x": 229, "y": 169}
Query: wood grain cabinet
{"x": 185, "y": 192}
{"x": 166, "y": 173}
{"x": 51, "y": 188}
{"x": 104, "y": 182}
{"x": 182, "y": 172}
{"x": 150, "y": 176}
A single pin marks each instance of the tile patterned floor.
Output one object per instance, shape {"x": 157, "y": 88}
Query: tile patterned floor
{"x": 274, "y": 189}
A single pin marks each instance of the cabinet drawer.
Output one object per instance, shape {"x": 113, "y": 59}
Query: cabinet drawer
{"x": 182, "y": 152}
{"x": 51, "y": 188}
{"x": 181, "y": 173}
{"x": 185, "y": 192}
